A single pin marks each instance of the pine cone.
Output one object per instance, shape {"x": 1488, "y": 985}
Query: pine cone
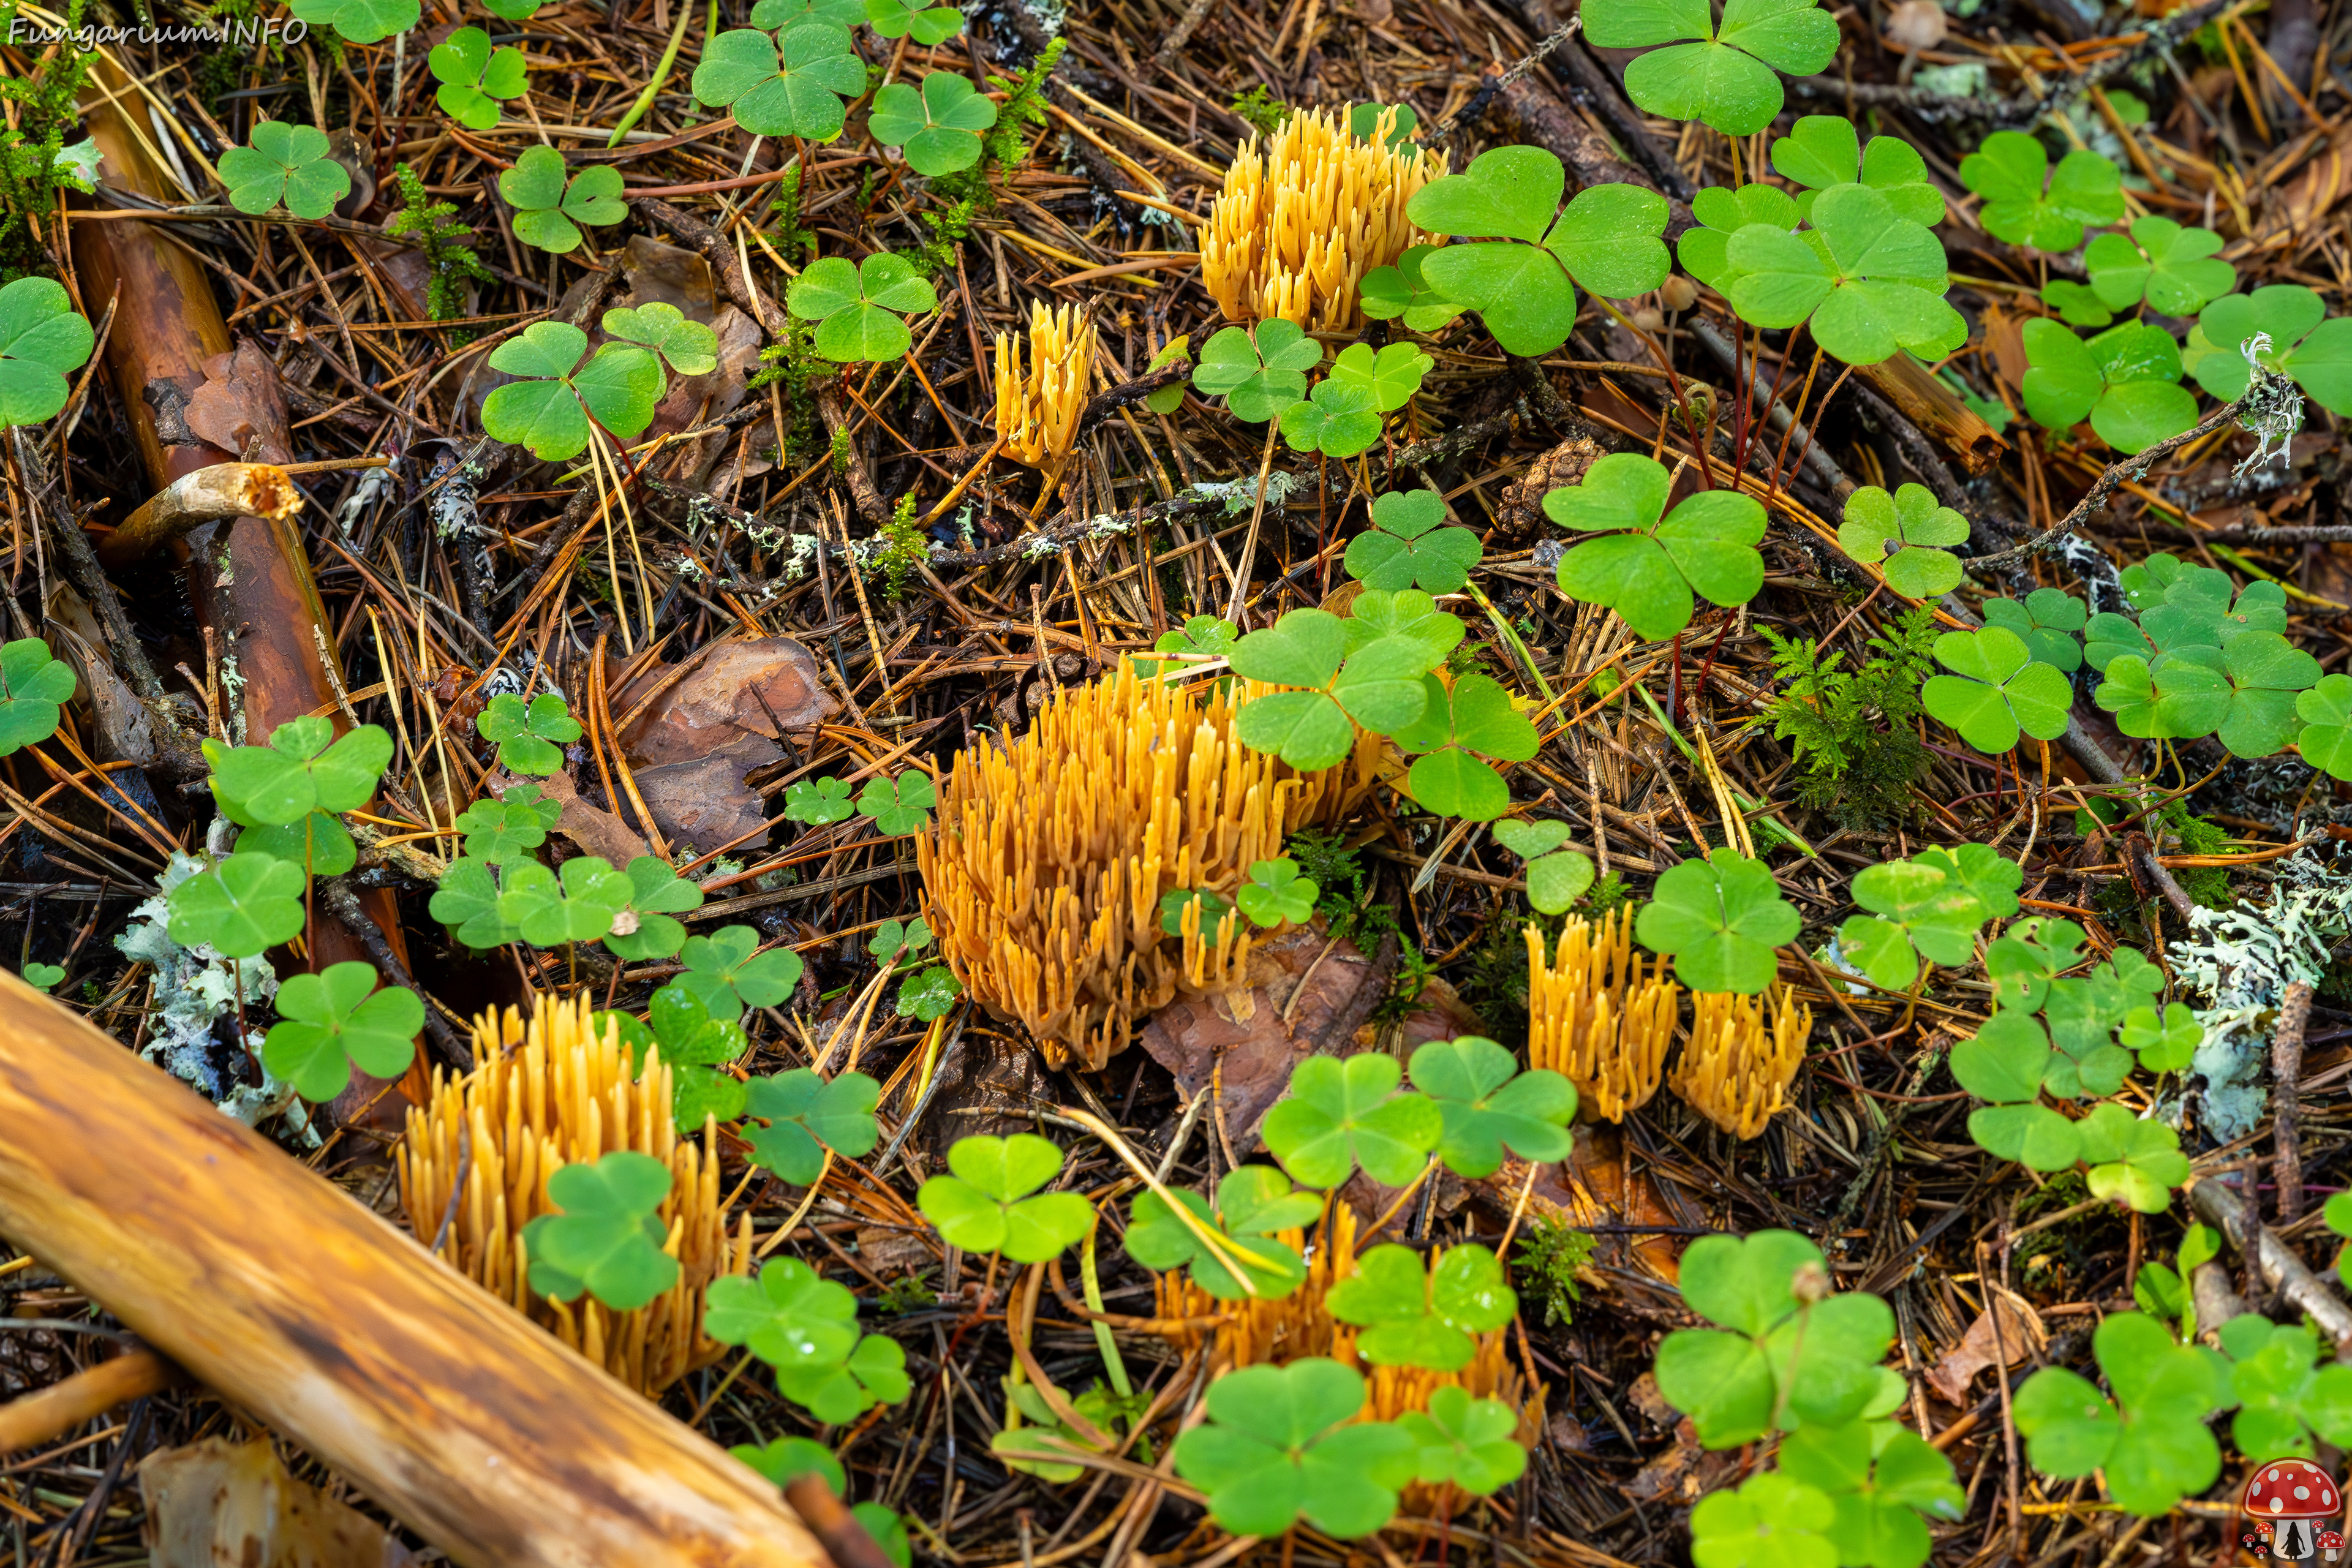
{"x": 1522, "y": 515}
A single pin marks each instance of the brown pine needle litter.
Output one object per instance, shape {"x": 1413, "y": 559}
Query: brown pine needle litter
{"x": 543, "y": 1094}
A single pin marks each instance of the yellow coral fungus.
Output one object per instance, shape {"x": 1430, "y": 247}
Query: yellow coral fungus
{"x": 473, "y": 1165}
{"x": 1044, "y": 871}
{"x": 1732, "y": 1071}
{"x": 1599, "y": 1013}
{"x": 1261, "y": 1332}
{"x": 1295, "y": 229}
{"x": 1037, "y": 411}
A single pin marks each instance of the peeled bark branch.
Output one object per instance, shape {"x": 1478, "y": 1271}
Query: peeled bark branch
{"x": 471, "y": 1425}
{"x": 2220, "y": 1206}
{"x": 28, "y": 1422}
{"x": 223, "y": 491}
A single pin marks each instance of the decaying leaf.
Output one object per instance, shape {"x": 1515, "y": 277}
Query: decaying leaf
{"x": 703, "y": 800}
{"x": 217, "y": 1504}
{"x": 594, "y": 829}
{"x": 2020, "y": 1331}
{"x": 240, "y": 409}
{"x": 768, "y": 686}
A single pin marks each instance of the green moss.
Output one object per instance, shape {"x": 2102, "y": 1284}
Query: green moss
{"x": 1549, "y": 1258}
{"x": 32, "y": 161}
{"x": 903, "y": 547}
{"x": 1857, "y": 754}
{"x": 1264, "y": 112}
{"x": 446, "y": 250}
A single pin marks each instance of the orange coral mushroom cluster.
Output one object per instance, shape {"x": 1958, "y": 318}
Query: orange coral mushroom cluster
{"x": 1735, "y": 1071}
{"x": 1599, "y": 1013}
{"x": 1037, "y": 412}
{"x": 1295, "y": 229}
{"x": 1044, "y": 871}
{"x": 475, "y": 1158}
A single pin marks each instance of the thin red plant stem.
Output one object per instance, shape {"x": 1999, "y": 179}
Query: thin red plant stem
{"x": 1708, "y": 667}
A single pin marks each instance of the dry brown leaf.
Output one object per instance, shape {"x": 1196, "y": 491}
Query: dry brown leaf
{"x": 765, "y": 686}
{"x": 240, "y": 407}
{"x": 596, "y": 830}
{"x": 217, "y": 1504}
{"x": 704, "y": 801}
{"x": 2020, "y": 1330}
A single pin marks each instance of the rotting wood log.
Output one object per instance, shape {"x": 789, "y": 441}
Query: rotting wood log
{"x": 268, "y": 1284}
{"x": 1936, "y": 410}
{"x": 222, "y": 493}
{"x": 249, "y": 577}
{"x": 42, "y": 1416}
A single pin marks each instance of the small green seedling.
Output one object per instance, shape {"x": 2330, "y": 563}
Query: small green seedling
{"x": 32, "y": 684}
{"x": 607, "y": 1239}
{"x": 644, "y": 925}
{"x": 1557, "y": 878}
{"x": 1466, "y": 1441}
{"x": 1997, "y": 690}
{"x": 1486, "y": 1103}
{"x": 859, "y": 308}
{"x": 42, "y": 337}
{"x": 1275, "y": 892}
{"x": 1283, "y": 1444}
{"x": 817, "y": 801}
{"x": 1253, "y": 1203}
{"x": 901, "y": 806}
{"x": 938, "y": 128}
{"x": 790, "y": 85}
{"x": 549, "y": 205}
{"x": 240, "y": 909}
{"x": 1258, "y": 374}
{"x": 337, "y": 1020}
{"x": 1523, "y": 280}
{"x": 303, "y": 769}
{"x": 1423, "y": 1317}
{"x": 505, "y": 831}
{"x": 529, "y": 739}
{"x": 559, "y": 400}
{"x": 474, "y": 78}
{"x": 2026, "y": 203}
{"x": 1342, "y": 416}
{"x": 1407, "y": 547}
{"x": 985, "y": 1204}
{"x": 1649, "y": 566}
{"x": 285, "y": 162}
{"x": 1726, "y": 77}
{"x": 42, "y": 976}
{"x": 729, "y": 972}
{"x": 2150, "y": 1444}
{"x": 805, "y": 1117}
{"x": 1342, "y": 1114}
{"x": 1784, "y": 1346}
{"x": 1906, "y": 531}
{"x": 1721, "y": 918}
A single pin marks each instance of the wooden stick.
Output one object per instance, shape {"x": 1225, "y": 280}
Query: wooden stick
{"x": 41, "y": 1417}
{"x": 469, "y": 1424}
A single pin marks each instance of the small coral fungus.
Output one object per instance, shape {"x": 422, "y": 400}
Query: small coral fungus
{"x": 1599, "y": 1015}
{"x": 1736, "y": 1070}
{"x": 473, "y": 1165}
{"x": 1044, "y": 870}
{"x": 1037, "y": 412}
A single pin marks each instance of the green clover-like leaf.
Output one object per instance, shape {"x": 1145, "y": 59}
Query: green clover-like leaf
{"x": 1823, "y": 150}
{"x": 336, "y": 1020}
{"x": 2175, "y": 270}
{"x": 1727, "y": 76}
{"x": 2316, "y": 354}
{"x": 2026, "y": 203}
{"x": 858, "y": 309}
{"x": 1523, "y": 282}
{"x": 807, "y": 1115}
{"x": 928, "y": 993}
{"x": 1402, "y": 292}
{"x": 2049, "y": 620}
{"x": 2152, "y": 1444}
{"x": 284, "y": 162}
{"x": 531, "y": 737}
{"x": 817, "y": 801}
{"x": 241, "y": 908}
{"x": 2124, "y": 381}
{"x": 1337, "y": 419}
{"x": 927, "y": 24}
{"x": 791, "y": 1317}
{"x": 899, "y": 806}
{"x": 984, "y": 1204}
{"x": 1721, "y": 918}
{"x": 1466, "y": 1441}
{"x": 359, "y": 21}
{"x": 506, "y": 830}
{"x": 607, "y": 1239}
{"x": 1486, "y": 1103}
{"x": 1260, "y": 374}
{"x": 1283, "y": 1444}
{"x": 303, "y": 769}
{"x": 875, "y": 1373}
{"x": 729, "y": 973}
{"x": 473, "y": 78}
{"x": 1477, "y": 719}
{"x": 1906, "y": 530}
{"x": 1407, "y": 548}
{"x": 1253, "y": 1203}
{"x": 790, "y": 85}
{"x": 1276, "y": 892}
{"x": 1417, "y": 1316}
{"x": 33, "y": 685}
{"x": 468, "y": 902}
{"x": 549, "y": 908}
{"x": 645, "y": 926}
{"x": 2134, "y": 1160}
{"x": 1342, "y": 1114}
{"x": 939, "y": 127}
{"x": 1881, "y": 1478}
{"x": 42, "y": 337}
{"x": 1773, "y": 1521}
{"x": 555, "y": 411}
{"x": 1649, "y": 570}
{"x": 1868, "y": 280}
{"x": 1996, "y": 689}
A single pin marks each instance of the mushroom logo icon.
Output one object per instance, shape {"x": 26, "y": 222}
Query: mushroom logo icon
{"x": 2330, "y": 1544}
{"x": 2296, "y": 1498}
